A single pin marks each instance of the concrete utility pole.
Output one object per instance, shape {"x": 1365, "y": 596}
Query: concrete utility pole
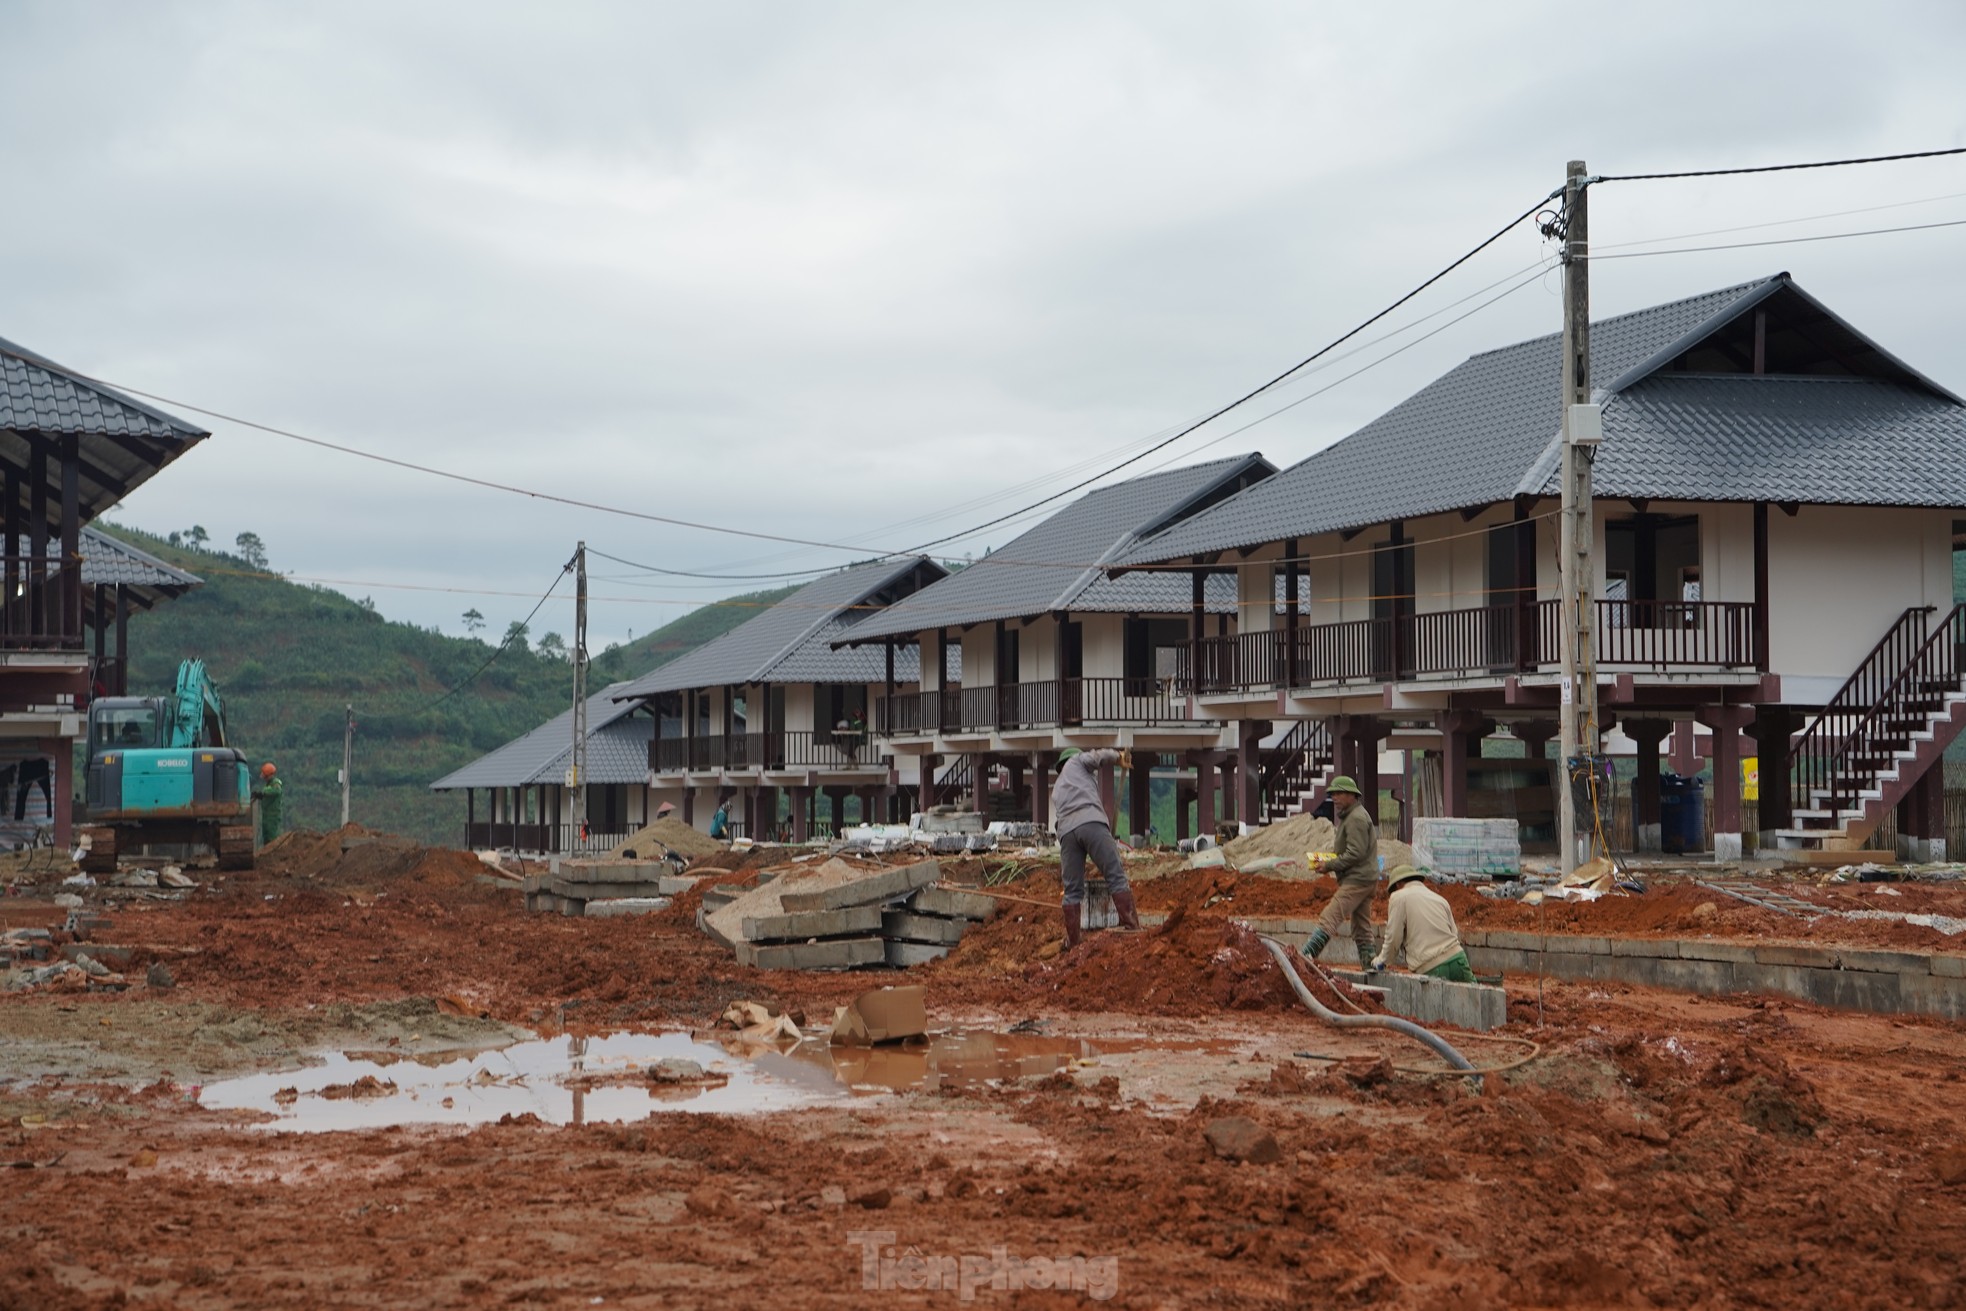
{"x": 577, "y": 772}
{"x": 1583, "y": 429}
{"x": 347, "y": 760}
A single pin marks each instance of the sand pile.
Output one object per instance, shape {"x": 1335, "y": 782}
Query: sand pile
{"x": 669, "y": 834}
{"x": 1288, "y": 840}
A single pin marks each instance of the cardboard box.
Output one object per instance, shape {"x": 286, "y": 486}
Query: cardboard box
{"x": 884, "y": 1015}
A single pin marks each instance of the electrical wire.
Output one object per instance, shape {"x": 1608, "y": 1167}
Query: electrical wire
{"x": 1598, "y": 247}
{"x": 1776, "y": 168}
{"x": 1780, "y": 241}
{"x": 497, "y": 651}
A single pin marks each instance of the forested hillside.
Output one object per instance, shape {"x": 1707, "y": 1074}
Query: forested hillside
{"x": 290, "y": 657}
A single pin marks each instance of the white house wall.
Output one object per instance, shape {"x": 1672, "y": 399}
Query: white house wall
{"x": 1839, "y": 577}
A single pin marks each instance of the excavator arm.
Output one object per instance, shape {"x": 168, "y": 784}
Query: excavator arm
{"x": 199, "y": 718}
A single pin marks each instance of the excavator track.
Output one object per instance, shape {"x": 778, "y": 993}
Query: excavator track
{"x": 235, "y": 846}
{"x": 101, "y": 855}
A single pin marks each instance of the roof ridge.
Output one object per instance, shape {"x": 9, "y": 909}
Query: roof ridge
{"x": 1733, "y": 293}
{"x": 830, "y": 615}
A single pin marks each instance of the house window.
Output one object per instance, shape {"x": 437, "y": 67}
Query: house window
{"x": 1007, "y": 645}
{"x": 1652, "y": 569}
{"x": 1152, "y": 652}
{"x": 607, "y": 808}
{"x": 839, "y": 710}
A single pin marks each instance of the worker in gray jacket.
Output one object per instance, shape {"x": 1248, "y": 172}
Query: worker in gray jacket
{"x": 1356, "y": 863}
{"x": 1084, "y": 829}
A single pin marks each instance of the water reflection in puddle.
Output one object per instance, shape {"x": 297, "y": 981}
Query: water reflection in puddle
{"x": 607, "y": 1078}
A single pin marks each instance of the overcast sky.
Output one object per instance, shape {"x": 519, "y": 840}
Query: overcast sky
{"x": 872, "y": 273}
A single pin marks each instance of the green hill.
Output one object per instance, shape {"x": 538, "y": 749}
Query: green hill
{"x": 289, "y": 657}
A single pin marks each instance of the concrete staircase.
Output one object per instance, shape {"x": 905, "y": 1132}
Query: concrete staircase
{"x": 1889, "y": 724}
{"x": 1296, "y": 770}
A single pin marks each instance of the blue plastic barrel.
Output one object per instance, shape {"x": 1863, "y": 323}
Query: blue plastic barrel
{"x": 1682, "y": 814}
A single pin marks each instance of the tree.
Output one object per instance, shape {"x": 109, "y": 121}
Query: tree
{"x": 515, "y": 636}
{"x": 473, "y": 621}
{"x": 553, "y": 646}
{"x": 197, "y": 537}
{"x": 251, "y": 549}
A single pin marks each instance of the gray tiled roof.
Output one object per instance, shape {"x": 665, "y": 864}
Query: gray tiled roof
{"x": 1056, "y": 564}
{"x": 617, "y": 750}
{"x": 1737, "y": 437}
{"x": 1471, "y": 437}
{"x": 108, "y": 561}
{"x": 792, "y": 641}
{"x": 38, "y": 395}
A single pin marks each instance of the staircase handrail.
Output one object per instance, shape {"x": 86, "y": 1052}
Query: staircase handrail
{"x": 1891, "y": 700}
{"x": 1859, "y": 696}
{"x": 1290, "y": 763}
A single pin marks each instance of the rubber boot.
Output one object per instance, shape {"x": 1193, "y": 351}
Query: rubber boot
{"x": 1128, "y": 913}
{"x": 1365, "y": 954}
{"x": 1074, "y": 926}
{"x": 1314, "y": 944}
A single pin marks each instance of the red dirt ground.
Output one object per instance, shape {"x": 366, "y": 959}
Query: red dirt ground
{"x": 1665, "y": 1150}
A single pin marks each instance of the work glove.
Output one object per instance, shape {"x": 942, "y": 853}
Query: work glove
{"x": 1126, "y": 760}
{"x": 1378, "y": 964}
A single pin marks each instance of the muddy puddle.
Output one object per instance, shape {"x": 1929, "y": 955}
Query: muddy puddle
{"x": 631, "y": 1076}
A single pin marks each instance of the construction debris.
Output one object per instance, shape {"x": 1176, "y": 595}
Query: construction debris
{"x": 884, "y": 1015}
{"x": 840, "y": 915}
{"x": 605, "y": 887}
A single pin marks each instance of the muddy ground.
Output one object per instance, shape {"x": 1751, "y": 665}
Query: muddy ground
{"x": 1659, "y": 1149}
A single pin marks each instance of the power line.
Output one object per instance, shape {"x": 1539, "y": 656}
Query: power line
{"x": 1775, "y": 168}
{"x": 1776, "y": 223}
{"x": 1782, "y": 241}
{"x": 500, "y": 649}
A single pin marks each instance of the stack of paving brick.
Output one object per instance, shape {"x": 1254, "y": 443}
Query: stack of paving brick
{"x": 600, "y": 888}
{"x": 842, "y": 916}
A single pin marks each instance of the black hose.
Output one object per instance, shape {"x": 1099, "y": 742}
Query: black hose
{"x": 1440, "y": 1045}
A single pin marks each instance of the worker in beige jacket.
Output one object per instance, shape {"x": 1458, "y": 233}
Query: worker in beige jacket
{"x": 1419, "y": 920}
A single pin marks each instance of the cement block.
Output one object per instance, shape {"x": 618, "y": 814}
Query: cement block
{"x": 903, "y": 954}
{"x": 1734, "y": 953}
{"x": 1589, "y": 946}
{"x": 1814, "y": 958}
{"x": 1650, "y": 948}
{"x": 114, "y": 958}
{"x": 614, "y": 871}
{"x": 532, "y": 883}
{"x": 616, "y": 907}
{"x": 947, "y": 901}
{"x": 600, "y": 891}
{"x": 1856, "y": 990}
{"x": 1887, "y": 962}
{"x": 887, "y": 885}
{"x": 1436, "y": 1001}
{"x": 1945, "y": 965}
{"x": 1507, "y": 940}
{"x": 839, "y": 954}
{"x": 1932, "y": 995}
{"x": 922, "y": 928}
{"x": 812, "y": 924}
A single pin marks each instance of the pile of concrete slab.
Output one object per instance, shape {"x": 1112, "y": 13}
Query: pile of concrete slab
{"x": 839, "y": 915}
{"x": 601, "y": 888}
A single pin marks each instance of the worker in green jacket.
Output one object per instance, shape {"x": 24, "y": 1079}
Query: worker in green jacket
{"x": 1356, "y": 863}
{"x": 270, "y": 793}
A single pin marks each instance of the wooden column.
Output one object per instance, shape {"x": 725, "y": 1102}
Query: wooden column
{"x": 1204, "y": 793}
{"x": 925, "y": 783}
{"x": 37, "y": 540}
{"x": 1184, "y": 796}
{"x": 70, "y": 591}
{"x": 1290, "y": 612}
{"x": 838, "y": 798}
{"x": 801, "y": 813}
{"x": 1198, "y": 597}
{"x": 979, "y": 782}
{"x": 12, "y": 622}
{"x": 1041, "y": 788}
{"x": 1365, "y": 761}
{"x": 1761, "y": 586}
{"x": 1528, "y": 639}
{"x": 122, "y": 687}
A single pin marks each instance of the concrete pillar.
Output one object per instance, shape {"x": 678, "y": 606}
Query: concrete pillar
{"x": 1230, "y": 785}
{"x": 689, "y": 805}
{"x": 1140, "y": 793}
{"x": 1184, "y": 795}
{"x": 801, "y": 814}
{"x": 1646, "y": 734}
{"x": 1922, "y": 817}
{"x": 767, "y": 813}
{"x": 925, "y": 785}
{"x": 1726, "y": 723}
{"x": 1460, "y": 738}
{"x": 62, "y": 765}
{"x": 1338, "y": 728}
{"x": 1536, "y": 735}
{"x": 1108, "y": 797}
{"x": 1774, "y": 732}
{"x": 1204, "y": 794}
{"x": 1015, "y": 766}
{"x": 1249, "y": 771}
{"x": 1685, "y": 750}
{"x": 838, "y": 797}
{"x": 1366, "y": 733}
{"x": 1041, "y": 788}
{"x": 979, "y": 783}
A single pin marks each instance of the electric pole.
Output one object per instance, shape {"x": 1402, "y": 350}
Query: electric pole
{"x": 577, "y": 772}
{"x": 347, "y": 760}
{"x": 1583, "y": 429}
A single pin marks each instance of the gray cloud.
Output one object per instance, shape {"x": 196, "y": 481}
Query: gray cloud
{"x": 823, "y": 269}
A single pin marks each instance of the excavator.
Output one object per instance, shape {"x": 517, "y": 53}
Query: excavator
{"x": 161, "y": 771}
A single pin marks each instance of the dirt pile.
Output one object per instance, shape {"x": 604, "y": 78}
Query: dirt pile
{"x": 667, "y": 834}
{"x": 354, "y": 857}
{"x": 1288, "y": 840}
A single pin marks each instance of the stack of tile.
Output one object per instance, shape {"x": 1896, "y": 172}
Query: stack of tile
{"x": 844, "y": 916}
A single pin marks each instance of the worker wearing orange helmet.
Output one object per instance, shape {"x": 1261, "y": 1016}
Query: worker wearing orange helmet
{"x": 270, "y": 793}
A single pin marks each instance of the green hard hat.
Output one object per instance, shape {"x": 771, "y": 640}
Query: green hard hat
{"x": 1344, "y": 783}
{"x": 1067, "y": 754}
{"x": 1404, "y": 874}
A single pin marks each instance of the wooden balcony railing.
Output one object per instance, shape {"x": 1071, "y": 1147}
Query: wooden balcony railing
{"x": 40, "y": 604}
{"x": 832, "y": 748}
{"x": 1478, "y": 640}
{"x": 1052, "y": 703}
{"x": 546, "y": 839}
